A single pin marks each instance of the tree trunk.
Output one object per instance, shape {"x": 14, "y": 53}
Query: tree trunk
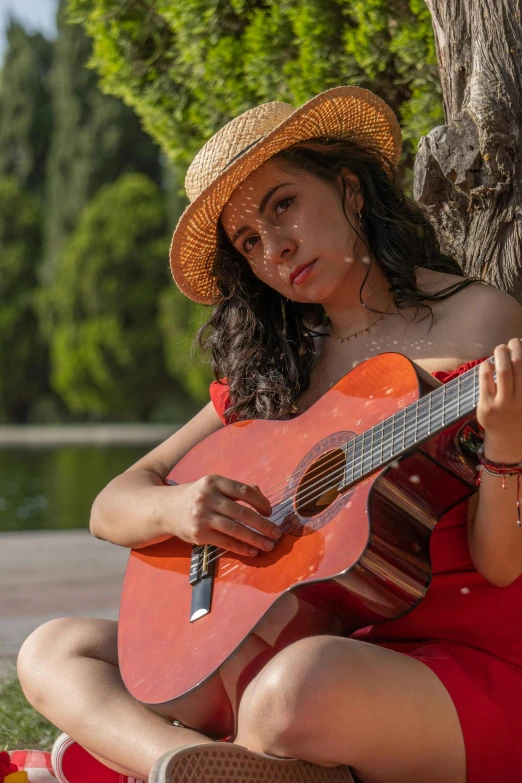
{"x": 468, "y": 173}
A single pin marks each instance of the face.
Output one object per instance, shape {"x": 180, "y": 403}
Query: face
{"x": 291, "y": 228}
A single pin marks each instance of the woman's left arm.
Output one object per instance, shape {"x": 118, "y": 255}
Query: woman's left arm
{"x": 495, "y": 539}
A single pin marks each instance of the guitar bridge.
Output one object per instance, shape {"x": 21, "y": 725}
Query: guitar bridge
{"x": 201, "y": 578}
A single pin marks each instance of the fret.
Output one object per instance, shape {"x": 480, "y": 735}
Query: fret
{"x": 398, "y": 432}
{"x": 387, "y": 450}
{"x": 410, "y": 425}
{"x": 349, "y": 461}
{"x": 393, "y": 434}
{"x": 357, "y": 456}
{"x": 468, "y": 387}
{"x": 372, "y": 443}
{"x": 423, "y": 418}
{"x": 437, "y": 410}
{"x": 366, "y": 453}
{"x": 377, "y": 444}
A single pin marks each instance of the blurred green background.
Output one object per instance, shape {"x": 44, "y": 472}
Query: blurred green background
{"x": 97, "y": 126}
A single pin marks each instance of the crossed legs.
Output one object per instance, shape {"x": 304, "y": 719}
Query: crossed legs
{"x": 325, "y": 699}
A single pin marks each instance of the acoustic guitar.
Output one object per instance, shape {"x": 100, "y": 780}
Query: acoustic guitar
{"x": 357, "y": 483}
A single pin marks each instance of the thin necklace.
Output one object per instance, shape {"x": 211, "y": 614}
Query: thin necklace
{"x": 355, "y": 334}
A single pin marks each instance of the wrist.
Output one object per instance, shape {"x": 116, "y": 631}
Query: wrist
{"x": 502, "y": 451}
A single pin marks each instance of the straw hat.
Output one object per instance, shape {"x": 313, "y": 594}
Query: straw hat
{"x": 246, "y": 143}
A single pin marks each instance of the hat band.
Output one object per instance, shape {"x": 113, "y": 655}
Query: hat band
{"x": 238, "y": 155}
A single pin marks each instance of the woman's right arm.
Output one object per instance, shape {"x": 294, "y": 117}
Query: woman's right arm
{"x": 137, "y": 509}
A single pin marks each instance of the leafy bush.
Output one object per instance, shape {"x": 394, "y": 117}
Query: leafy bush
{"x": 188, "y": 67}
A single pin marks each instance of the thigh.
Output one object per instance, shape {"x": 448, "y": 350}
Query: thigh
{"x": 340, "y": 701}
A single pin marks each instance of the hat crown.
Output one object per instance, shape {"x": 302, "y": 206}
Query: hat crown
{"x": 228, "y": 144}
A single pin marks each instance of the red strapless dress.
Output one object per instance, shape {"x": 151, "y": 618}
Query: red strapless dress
{"x": 467, "y": 631}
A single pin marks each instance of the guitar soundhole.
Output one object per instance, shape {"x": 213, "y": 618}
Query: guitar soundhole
{"x": 318, "y": 488}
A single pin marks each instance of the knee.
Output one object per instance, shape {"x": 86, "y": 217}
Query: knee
{"x": 46, "y": 647}
{"x": 281, "y": 707}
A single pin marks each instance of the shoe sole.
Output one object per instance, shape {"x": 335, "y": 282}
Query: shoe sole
{"x": 227, "y": 763}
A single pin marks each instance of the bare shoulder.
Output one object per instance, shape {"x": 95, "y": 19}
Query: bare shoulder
{"x": 478, "y": 317}
{"x": 483, "y": 317}
{"x": 467, "y": 325}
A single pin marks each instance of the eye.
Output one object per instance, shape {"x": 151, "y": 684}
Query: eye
{"x": 249, "y": 243}
{"x": 284, "y": 203}
{"x": 278, "y": 208}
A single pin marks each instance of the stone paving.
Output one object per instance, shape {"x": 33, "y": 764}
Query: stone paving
{"x": 49, "y": 574}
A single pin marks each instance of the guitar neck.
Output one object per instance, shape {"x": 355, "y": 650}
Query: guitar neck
{"x": 411, "y": 426}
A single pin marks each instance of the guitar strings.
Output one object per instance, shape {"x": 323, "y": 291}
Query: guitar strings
{"x": 451, "y": 404}
{"x": 446, "y": 408}
{"x": 337, "y": 474}
{"x": 355, "y": 466}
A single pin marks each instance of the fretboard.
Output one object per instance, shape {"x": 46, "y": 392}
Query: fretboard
{"x": 412, "y": 425}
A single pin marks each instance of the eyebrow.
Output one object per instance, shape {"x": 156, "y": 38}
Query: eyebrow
{"x": 266, "y": 198}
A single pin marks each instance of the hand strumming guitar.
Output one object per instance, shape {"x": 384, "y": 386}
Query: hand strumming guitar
{"x": 211, "y": 514}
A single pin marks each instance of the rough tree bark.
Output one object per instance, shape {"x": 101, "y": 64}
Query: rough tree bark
{"x": 468, "y": 173}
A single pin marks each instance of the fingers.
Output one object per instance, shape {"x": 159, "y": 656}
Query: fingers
{"x": 508, "y": 372}
{"x": 487, "y": 387}
{"x": 247, "y": 493}
{"x": 504, "y": 374}
{"x": 247, "y": 516}
{"x": 229, "y": 544}
{"x": 218, "y": 518}
{"x": 239, "y": 532}
{"x": 515, "y": 351}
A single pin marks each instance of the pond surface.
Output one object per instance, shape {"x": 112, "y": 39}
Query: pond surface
{"x": 52, "y": 488}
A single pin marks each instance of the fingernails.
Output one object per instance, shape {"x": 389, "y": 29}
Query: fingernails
{"x": 268, "y": 544}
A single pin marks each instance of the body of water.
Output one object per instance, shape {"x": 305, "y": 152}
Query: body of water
{"x": 53, "y": 488}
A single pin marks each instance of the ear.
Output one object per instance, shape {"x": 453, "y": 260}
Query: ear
{"x": 354, "y": 196}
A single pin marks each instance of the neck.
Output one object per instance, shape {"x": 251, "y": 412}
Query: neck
{"x": 345, "y": 311}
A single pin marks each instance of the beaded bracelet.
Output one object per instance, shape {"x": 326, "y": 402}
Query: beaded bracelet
{"x": 501, "y": 469}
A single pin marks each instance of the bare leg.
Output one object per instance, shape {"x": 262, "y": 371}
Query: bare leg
{"x": 69, "y": 672}
{"x": 330, "y": 700}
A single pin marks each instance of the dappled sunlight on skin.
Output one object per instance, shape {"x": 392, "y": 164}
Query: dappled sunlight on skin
{"x": 283, "y": 220}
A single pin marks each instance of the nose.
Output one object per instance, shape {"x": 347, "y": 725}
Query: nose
{"x": 277, "y": 247}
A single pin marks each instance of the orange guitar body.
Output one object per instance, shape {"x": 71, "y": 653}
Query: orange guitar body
{"x": 360, "y": 558}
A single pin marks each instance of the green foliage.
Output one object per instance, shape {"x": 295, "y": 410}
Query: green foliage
{"x": 23, "y": 360}
{"x": 25, "y": 108}
{"x": 179, "y": 321}
{"x": 106, "y": 349}
{"x": 20, "y": 725}
{"x": 187, "y": 68}
{"x": 96, "y": 138}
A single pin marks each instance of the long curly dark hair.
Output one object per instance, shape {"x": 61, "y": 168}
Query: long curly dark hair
{"x": 263, "y": 343}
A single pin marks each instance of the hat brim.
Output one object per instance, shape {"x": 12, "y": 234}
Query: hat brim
{"x": 341, "y": 112}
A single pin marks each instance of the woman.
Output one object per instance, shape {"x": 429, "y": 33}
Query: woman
{"x": 300, "y": 235}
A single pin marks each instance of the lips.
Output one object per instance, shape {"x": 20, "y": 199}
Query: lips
{"x": 296, "y": 276}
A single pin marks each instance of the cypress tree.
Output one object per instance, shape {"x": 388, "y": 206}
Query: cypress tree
{"x": 25, "y": 108}
{"x": 96, "y": 138}
{"x": 23, "y": 355}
